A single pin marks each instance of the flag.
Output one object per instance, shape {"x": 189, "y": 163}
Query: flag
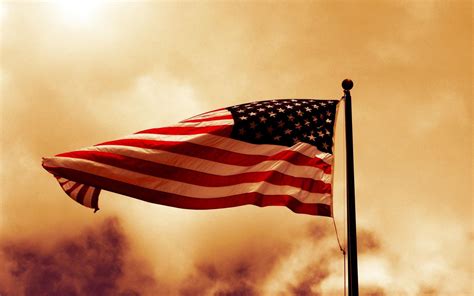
{"x": 264, "y": 153}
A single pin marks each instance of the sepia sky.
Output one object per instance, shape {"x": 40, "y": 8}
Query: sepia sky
{"x": 76, "y": 73}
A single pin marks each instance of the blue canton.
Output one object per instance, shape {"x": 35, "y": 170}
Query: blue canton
{"x": 286, "y": 122}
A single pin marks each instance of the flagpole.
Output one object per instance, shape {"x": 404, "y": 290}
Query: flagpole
{"x": 347, "y": 85}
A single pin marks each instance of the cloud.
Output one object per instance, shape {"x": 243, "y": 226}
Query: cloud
{"x": 94, "y": 262}
{"x": 242, "y": 273}
{"x": 149, "y": 64}
{"x": 367, "y": 242}
{"x": 310, "y": 265}
{"x": 309, "y": 280}
{"x": 100, "y": 261}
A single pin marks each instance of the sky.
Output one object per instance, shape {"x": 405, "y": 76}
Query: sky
{"x": 77, "y": 73}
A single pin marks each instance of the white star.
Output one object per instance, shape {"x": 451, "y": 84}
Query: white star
{"x": 315, "y": 106}
{"x": 253, "y": 125}
{"x": 289, "y": 106}
{"x": 263, "y": 119}
{"x": 320, "y": 133}
{"x": 308, "y": 109}
{"x": 327, "y": 132}
{"x": 281, "y": 110}
{"x": 252, "y": 113}
{"x": 328, "y": 113}
{"x": 240, "y": 111}
{"x": 277, "y": 138}
{"x": 243, "y": 117}
{"x": 323, "y": 104}
{"x": 307, "y": 123}
{"x": 299, "y": 112}
{"x": 291, "y": 117}
{"x": 328, "y": 120}
{"x": 326, "y": 146}
{"x": 298, "y": 125}
{"x": 287, "y": 131}
{"x": 272, "y": 114}
{"x": 294, "y": 100}
{"x": 281, "y": 123}
{"x": 297, "y": 104}
{"x": 261, "y": 109}
{"x": 311, "y": 137}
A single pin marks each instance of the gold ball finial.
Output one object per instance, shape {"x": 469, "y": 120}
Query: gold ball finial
{"x": 347, "y": 84}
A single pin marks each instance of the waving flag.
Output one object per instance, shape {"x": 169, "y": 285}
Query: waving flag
{"x": 266, "y": 153}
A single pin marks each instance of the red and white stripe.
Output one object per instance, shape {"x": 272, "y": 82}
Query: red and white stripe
{"x": 83, "y": 194}
{"x": 197, "y": 165}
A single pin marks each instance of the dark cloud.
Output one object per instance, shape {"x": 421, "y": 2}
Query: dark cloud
{"x": 317, "y": 230}
{"x": 244, "y": 276}
{"x": 99, "y": 261}
{"x": 372, "y": 291}
{"x": 252, "y": 267}
{"x": 367, "y": 242}
{"x": 92, "y": 263}
{"x": 310, "y": 279}
{"x": 428, "y": 291}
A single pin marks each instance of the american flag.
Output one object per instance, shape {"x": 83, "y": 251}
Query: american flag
{"x": 265, "y": 153}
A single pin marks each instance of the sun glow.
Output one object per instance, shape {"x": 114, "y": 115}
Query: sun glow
{"x": 3, "y": 11}
{"x": 79, "y": 12}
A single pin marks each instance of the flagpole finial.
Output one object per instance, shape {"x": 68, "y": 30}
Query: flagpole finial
{"x": 347, "y": 84}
